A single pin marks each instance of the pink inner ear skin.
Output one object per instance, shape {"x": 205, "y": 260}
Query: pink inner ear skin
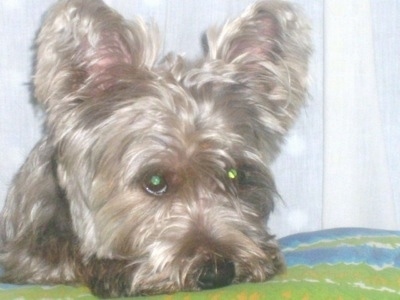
{"x": 259, "y": 41}
{"x": 109, "y": 52}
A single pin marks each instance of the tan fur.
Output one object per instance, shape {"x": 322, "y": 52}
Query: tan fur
{"x": 129, "y": 191}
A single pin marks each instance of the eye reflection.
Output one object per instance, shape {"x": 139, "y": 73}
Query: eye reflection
{"x": 239, "y": 176}
{"x": 232, "y": 173}
{"x": 155, "y": 184}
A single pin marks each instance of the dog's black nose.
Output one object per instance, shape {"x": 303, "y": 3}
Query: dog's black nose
{"x": 216, "y": 273}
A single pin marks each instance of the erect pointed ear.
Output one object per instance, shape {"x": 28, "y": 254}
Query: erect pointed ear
{"x": 80, "y": 41}
{"x": 267, "y": 50}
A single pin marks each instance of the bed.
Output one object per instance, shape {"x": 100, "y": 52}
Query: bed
{"x": 342, "y": 263}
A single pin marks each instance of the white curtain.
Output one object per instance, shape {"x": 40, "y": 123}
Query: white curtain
{"x": 360, "y": 166}
{"x": 340, "y": 165}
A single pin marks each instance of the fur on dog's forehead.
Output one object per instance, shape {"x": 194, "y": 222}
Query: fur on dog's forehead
{"x": 153, "y": 104}
{"x": 141, "y": 119}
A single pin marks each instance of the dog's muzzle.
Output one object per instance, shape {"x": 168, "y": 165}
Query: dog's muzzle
{"x": 216, "y": 273}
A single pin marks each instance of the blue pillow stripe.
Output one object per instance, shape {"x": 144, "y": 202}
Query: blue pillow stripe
{"x": 296, "y": 240}
{"x": 378, "y": 257}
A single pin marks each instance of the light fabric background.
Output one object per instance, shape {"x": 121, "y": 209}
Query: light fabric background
{"x": 341, "y": 163}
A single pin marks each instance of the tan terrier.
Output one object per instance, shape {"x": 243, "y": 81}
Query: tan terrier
{"x": 154, "y": 177}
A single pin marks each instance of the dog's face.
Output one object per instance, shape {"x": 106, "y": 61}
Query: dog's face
{"x": 170, "y": 177}
{"x": 166, "y": 165}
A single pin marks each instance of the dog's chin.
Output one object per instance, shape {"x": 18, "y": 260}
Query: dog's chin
{"x": 208, "y": 271}
{"x": 198, "y": 262}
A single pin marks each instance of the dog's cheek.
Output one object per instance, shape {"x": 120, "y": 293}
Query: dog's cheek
{"x": 125, "y": 221}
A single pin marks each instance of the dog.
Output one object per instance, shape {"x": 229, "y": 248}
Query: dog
{"x": 153, "y": 175}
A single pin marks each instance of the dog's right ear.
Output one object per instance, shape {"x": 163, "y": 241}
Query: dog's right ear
{"x": 80, "y": 42}
{"x": 266, "y": 51}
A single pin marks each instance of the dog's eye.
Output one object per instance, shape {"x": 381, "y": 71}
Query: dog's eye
{"x": 232, "y": 173}
{"x": 155, "y": 184}
{"x": 236, "y": 175}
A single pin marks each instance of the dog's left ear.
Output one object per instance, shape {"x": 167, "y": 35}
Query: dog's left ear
{"x": 266, "y": 50}
{"x": 79, "y": 45}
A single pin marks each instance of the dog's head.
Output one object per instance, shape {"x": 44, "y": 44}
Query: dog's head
{"x": 166, "y": 164}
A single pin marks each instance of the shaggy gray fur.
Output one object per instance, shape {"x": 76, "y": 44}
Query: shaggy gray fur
{"x": 154, "y": 177}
